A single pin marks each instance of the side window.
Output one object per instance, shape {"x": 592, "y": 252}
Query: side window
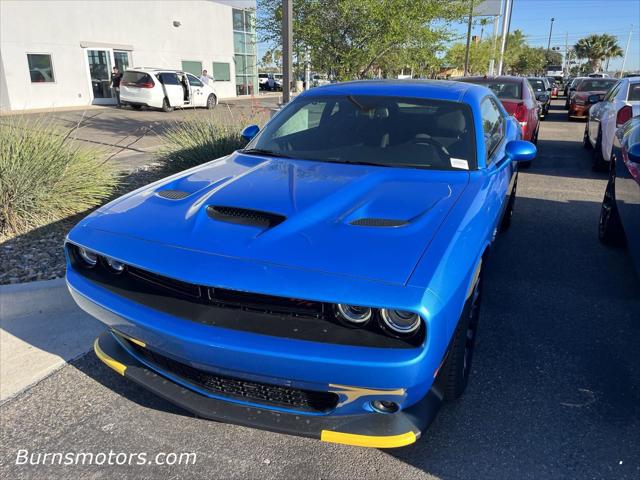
{"x": 169, "y": 78}
{"x": 194, "y": 81}
{"x": 40, "y": 68}
{"x": 611, "y": 94}
{"x": 492, "y": 125}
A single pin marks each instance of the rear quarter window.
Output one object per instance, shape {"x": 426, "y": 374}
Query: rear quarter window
{"x": 634, "y": 92}
{"x": 136, "y": 78}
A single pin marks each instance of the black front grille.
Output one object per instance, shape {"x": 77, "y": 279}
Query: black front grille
{"x": 244, "y": 216}
{"x": 255, "y": 392}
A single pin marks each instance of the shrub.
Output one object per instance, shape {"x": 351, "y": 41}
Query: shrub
{"x": 45, "y": 175}
{"x": 201, "y": 139}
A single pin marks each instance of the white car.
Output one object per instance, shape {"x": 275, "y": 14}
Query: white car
{"x": 165, "y": 89}
{"x": 620, "y": 104}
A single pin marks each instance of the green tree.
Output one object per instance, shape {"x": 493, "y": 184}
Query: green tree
{"x": 360, "y": 38}
{"x": 596, "y": 48}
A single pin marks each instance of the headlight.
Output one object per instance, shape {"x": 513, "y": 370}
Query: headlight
{"x": 88, "y": 257}
{"x": 354, "y": 314}
{"x": 115, "y": 265}
{"x": 400, "y": 321}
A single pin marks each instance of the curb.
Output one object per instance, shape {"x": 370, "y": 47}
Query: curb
{"x": 22, "y": 299}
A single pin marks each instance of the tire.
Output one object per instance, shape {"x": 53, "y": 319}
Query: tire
{"x": 508, "y": 213}
{"x": 135, "y": 107}
{"x": 534, "y": 140}
{"x": 166, "y": 107}
{"x": 212, "y": 101}
{"x": 610, "y": 231}
{"x": 457, "y": 366}
{"x": 597, "y": 161}
{"x": 586, "y": 143}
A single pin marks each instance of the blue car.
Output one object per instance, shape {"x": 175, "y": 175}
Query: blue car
{"x": 620, "y": 212}
{"x": 325, "y": 281}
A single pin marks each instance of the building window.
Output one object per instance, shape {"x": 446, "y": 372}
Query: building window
{"x": 244, "y": 47}
{"x": 121, "y": 59}
{"x": 40, "y": 68}
{"x": 192, "y": 67}
{"x": 221, "y": 72}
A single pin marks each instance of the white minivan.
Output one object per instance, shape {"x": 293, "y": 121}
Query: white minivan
{"x": 165, "y": 89}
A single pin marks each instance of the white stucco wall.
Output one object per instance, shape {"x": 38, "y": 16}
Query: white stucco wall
{"x": 58, "y": 28}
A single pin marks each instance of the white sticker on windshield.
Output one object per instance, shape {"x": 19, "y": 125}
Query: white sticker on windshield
{"x": 459, "y": 163}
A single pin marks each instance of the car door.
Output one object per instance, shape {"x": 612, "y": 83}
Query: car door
{"x": 608, "y": 117}
{"x": 173, "y": 89}
{"x": 198, "y": 97}
{"x": 600, "y": 111}
{"x": 499, "y": 168}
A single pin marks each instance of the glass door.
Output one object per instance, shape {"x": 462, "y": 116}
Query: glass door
{"x": 121, "y": 59}
{"x": 99, "y": 62}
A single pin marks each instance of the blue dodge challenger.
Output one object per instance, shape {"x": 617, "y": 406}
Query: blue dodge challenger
{"x": 325, "y": 281}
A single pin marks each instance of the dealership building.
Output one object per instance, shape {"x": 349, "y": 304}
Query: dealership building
{"x": 60, "y": 53}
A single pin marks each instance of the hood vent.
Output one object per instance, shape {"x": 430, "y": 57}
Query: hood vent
{"x": 173, "y": 194}
{"x": 379, "y": 222}
{"x": 245, "y": 216}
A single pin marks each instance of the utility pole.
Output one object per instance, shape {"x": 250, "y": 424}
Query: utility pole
{"x": 566, "y": 67}
{"x": 492, "y": 62}
{"x": 466, "y": 53}
{"x": 626, "y": 51}
{"x": 550, "y": 30}
{"x": 506, "y": 22}
{"x": 287, "y": 64}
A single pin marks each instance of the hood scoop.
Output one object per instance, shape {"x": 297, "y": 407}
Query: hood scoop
{"x": 245, "y": 216}
{"x": 173, "y": 194}
{"x": 379, "y": 222}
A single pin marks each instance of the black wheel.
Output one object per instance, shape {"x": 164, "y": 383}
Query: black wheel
{"x": 136, "y": 107}
{"x": 212, "y": 101}
{"x": 508, "y": 213}
{"x": 166, "y": 107}
{"x": 534, "y": 140}
{"x": 586, "y": 143}
{"x": 597, "y": 160}
{"x": 457, "y": 366}
{"x": 610, "y": 230}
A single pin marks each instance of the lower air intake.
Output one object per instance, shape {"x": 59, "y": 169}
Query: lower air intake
{"x": 254, "y": 392}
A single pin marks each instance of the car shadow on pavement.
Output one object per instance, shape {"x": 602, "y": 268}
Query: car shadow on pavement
{"x": 555, "y": 388}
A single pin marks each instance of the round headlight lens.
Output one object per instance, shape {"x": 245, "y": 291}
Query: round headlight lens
{"x": 354, "y": 314}
{"x": 115, "y": 265}
{"x": 88, "y": 257}
{"x": 400, "y": 321}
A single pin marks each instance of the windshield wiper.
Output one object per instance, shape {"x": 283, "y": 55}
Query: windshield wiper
{"x": 265, "y": 152}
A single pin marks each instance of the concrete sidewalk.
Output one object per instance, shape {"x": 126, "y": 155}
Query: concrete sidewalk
{"x": 41, "y": 329}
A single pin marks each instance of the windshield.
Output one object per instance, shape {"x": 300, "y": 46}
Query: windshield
{"x": 506, "y": 90}
{"x": 588, "y": 85}
{"x": 538, "y": 85}
{"x": 378, "y": 130}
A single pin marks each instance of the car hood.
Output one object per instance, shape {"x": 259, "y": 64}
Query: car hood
{"x": 365, "y": 221}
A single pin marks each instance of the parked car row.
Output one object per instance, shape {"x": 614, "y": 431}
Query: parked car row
{"x": 607, "y": 113}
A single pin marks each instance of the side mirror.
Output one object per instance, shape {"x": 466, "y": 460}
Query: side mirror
{"x": 634, "y": 153}
{"x": 549, "y": 89}
{"x": 543, "y": 97}
{"x": 521, "y": 150}
{"x": 249, "y": 132}
{"x": 593, "y": 99}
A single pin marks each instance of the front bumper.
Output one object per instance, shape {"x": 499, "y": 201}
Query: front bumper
{"x": 374, "y": 430}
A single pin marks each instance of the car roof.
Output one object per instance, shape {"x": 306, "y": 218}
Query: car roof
{"x": 437, "y": 89}
{"x": 501, "y": 78}
{"x": 153, "y": 70}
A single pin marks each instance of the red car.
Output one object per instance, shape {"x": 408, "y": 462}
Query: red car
{"x": 518, "y": 99}
{"x": 588, "y": 92}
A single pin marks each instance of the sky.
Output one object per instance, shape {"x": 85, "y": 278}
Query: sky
{"x": 575, "y": 19}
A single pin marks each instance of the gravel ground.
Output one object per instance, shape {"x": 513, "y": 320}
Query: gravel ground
{"x": 38, "y": 254}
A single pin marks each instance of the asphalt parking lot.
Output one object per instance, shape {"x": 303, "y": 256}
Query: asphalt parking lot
{"x": 555, "y": 391}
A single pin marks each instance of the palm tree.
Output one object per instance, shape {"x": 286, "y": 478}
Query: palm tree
{"x": 597, "y": 48}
